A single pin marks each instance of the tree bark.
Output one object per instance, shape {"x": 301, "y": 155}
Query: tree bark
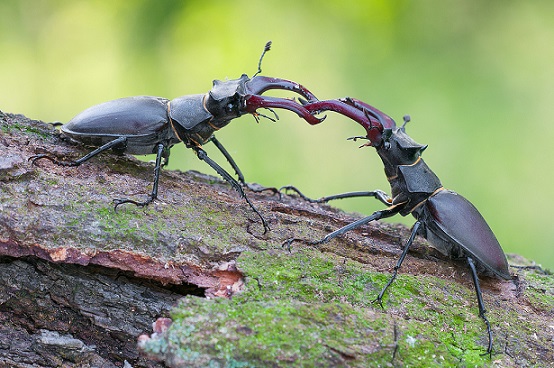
{"x": 80, "y": 282}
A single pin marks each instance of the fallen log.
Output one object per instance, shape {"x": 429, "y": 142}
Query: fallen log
{"x": 82, "y": 283}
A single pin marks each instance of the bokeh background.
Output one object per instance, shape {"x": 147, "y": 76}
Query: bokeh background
{"x": 477, "y": 77}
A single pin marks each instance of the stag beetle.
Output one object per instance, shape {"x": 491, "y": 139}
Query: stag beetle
{"x": 449, "y": 221}
{"x": 146, "y": 124}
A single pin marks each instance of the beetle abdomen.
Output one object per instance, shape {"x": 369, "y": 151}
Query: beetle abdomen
{"x": 142, "y": 119}
{"x": 456, "y": 225}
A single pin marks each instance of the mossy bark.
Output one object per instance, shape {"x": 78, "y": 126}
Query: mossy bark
{"x": 81, "y": 282}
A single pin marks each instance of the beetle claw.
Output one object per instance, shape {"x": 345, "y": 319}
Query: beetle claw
{"x": 35, "y": 158}
{"x": 119, "y": 202}
{"x": 288, "y": 244}
{"x": 379, "y": 301}
{"x": 259, "y": 189}
{"x": 294, "y": 189}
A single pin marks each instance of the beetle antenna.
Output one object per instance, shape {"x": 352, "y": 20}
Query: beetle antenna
{"x": 267, "y": 47}
{"x": 406, "y": 119}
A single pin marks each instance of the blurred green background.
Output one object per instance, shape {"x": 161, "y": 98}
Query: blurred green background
{"x": 477, "y": 77}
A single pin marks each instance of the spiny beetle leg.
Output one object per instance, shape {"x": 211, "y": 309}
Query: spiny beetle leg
{"x": 377, "y": 215}
{"x": 237, "y": 170}
{"x": 228, "y": 157}
{"x": 154, "y": 195}
{"x": 294, "y": 189}
{"x": 378, "y": 194}
{"x": 480, "y": 303}
{"x": 379, "y": 298}
{"x": 391, "y": 211}
{"x": 116, "y": 143}
{"x": 202, "y": 155}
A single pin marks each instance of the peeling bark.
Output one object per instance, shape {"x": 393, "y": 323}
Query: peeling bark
{"x": 79, "y": 282}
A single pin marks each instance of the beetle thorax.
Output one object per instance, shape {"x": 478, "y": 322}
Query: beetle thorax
{"x": 399, "y": 149}
{"x": 411, "y": 180}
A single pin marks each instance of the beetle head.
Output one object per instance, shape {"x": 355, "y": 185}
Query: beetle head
{"x": 227, "y": 99}
{"x": 399, "y": 148}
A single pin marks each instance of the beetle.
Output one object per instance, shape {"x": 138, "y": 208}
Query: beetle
{"x": 447, "y": 220}
{"x": 152, "y": 125}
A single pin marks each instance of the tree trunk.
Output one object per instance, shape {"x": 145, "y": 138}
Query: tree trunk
{"x": 81, "y": 283}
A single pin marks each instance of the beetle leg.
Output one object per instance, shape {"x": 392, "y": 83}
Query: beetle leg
{"x": 377, "y": 215}
{"x": 378, "y": 194}
{"x": 165, "y": 156}
{"x": 202, "y": 155}
{"x": 415, "y": 228}
{"x": 235, "y": 167}
{"x": 225, "y": 153}
{"x": 480, "y": 303}
{"x": 121, "y": 141}
{"x": 154, "y": 194}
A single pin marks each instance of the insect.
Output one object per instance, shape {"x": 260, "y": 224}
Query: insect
{"x": 449, "y": 221}
{"x": 152, "y": 125}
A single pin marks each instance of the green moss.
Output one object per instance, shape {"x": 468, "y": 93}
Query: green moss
{"x": 540, "y": 290}
{"x": 119, "y": 222}
{"x": 150, "y": 227}
{"x": 41, "y": 131}
{"x": 313, "y": 309}
{"x": 269, "y": 333}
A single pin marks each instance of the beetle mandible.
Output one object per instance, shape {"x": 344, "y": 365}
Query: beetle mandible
{"x": 152, "y": 125}
{"x": 450, "y": 222}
